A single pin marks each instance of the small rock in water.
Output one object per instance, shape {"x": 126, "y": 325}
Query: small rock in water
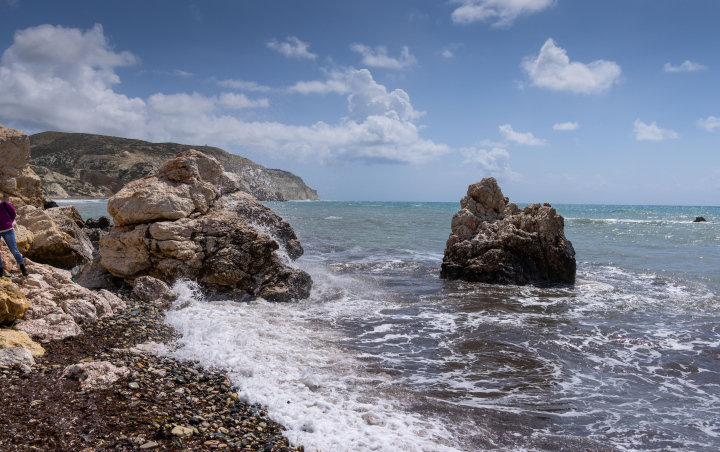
{"x": 699, "y": 220}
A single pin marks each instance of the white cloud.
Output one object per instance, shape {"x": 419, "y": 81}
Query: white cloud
{"x": 553, "y": 70}
{"x": 495, "y": 162}
{"x": 380, "y": 58}
{"x": 526, "y": 139}
{"x": 292, "y": 48}
{"x": 501, "y": 12}
{"x": 243, "y": 85}
{"x": 337, "y": 82}
{"x": 238, "y": 101}
{"x": 566, "y": 126}
{"x": 447, "y": 53}
{"x": 55, "y": 78}
{"x": 645, "y": 132}
{"x": 709, "y": 124}
{"x": 687, "y": 66}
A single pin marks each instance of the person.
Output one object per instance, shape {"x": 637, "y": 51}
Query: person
{"x": 7, "y": 216}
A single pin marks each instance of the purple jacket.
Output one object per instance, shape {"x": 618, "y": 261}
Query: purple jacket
{"x": 7, "y": 215}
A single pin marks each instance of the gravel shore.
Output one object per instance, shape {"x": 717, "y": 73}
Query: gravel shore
{"x": 162, "y": 405}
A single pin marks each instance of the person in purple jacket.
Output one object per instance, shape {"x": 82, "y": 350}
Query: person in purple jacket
{"x": 7, "y": 216}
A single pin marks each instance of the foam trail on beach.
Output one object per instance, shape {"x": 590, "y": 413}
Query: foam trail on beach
{"x": 279, "y": 358}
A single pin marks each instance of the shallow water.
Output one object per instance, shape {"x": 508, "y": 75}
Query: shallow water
{"x": 386, "y": 355}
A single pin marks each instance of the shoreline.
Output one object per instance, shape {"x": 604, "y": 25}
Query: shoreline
{"x": 164, "y": 404}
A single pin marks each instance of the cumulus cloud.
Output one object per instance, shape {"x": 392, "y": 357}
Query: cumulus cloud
{"x": 292, "y": 48}
{"x": 526, "y": 139}
{"x": 645, "y": 132}
{"x": 709, "y": 124}
{"x": 496, "y": 162}
{"x": 243, "y": 85}
{"x": 501, "y": 12}
{"x": 379, "y": 57}
{"x": 553, "y": 70}
{"x": 566, "y": 126}
{"x": 337, "y": 82}
{"x": 687, "y": 66}
{"x": 55, "y": 78}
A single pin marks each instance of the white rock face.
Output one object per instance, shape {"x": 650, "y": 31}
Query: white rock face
{"x": 95, "y": 375}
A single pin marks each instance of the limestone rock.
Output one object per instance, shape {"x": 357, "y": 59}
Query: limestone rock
{"x": 53, "y": 327}
{"x": 13, "y": 302}
{"x": 95, "y": 375}
{"x": 17, "y": 179}
{"x": 191, "y": 221}
{"x": 493, "y": 241}
{"x": 16, "y": 356}
{"x": 93, "y": 275}
{"x": 14, "y": 338}
{"x": 57, "y": 240}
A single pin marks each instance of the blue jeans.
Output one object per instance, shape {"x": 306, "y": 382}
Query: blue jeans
{"x": 9, "y": 237}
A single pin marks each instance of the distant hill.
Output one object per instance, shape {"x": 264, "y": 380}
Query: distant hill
{"x": 83, "y": 165}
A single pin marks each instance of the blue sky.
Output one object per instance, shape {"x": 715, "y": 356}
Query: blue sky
{"x": 407, "y": 100}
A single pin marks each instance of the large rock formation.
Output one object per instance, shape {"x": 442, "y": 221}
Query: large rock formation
{"x": 493, "y": 241}
{"x": 85, "y": 165}
{"x": 192, "y": 221}
{"x": 17, "y": 179}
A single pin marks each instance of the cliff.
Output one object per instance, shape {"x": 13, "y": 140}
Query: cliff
{"x": 84, "y": 165}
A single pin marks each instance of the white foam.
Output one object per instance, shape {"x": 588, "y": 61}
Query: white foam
{"x": 279, "y": 358}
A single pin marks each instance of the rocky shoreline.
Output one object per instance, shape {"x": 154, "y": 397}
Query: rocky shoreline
{"x": 162, "y": 404}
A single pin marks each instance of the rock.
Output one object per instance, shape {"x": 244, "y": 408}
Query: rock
{"x": 101, "y": 223}
{"x": 699, "y": 220}
{"x": 16, "y": 356}
{"x": 493, "y": 241}
{"x": 92, "y": 275}
{"x": 13, "y": 338}
{"x": 146, "y": 348}
{"x": 182, "y": 431}
{"x": 16, "y": 178}
{"x": 23, "y": 238}
{"x": 148, "y": 288}
{"x": 13, "y": 302}
{"x": 95, "y": 375}
{"x": 53, "y": 327}
{"x": 191, "y": 221}
{"x": 57, "y": 240}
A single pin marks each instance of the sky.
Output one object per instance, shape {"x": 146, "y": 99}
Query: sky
{"x": 583, "y": 102}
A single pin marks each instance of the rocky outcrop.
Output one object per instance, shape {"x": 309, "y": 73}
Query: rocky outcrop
{"x": 699, "y": 220}
{"x": 192, "y": 221}
{"x": 494, "y": 241}
{"x": 17, "y": 179}
{"x": 85, "y": 165}
{"x": 58, "y": 240}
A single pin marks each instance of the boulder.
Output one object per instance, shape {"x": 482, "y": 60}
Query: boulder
{"x": 16, "y": 356}
{"x": 95, "y": 375}
{"x": 148, "y": 288}
{"x": 494, "y": 241}
{"x": 93, "y": 275}
{"x": 191, "y": 221}
{"x": 57, "y": 238}
{"x": 13, "y": 338}
{"x": 13, "y": 302}
{"x": 16, "y": 178}
{"x": 699, "y": 220}
{"x": 53, "y": 327}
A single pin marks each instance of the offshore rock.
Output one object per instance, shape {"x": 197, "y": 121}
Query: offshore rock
{"x": 17, "y": 179}
{"x": 192, "y": 221}
{"x": 493, "y": 241}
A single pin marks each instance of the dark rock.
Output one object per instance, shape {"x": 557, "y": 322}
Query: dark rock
{"x": 101, "y": 223}
{"x": 493, "y": 241}
{"x": 50, "y": 204}
{"x": 699, "y": 220}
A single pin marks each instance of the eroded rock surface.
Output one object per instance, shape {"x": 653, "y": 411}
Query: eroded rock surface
{"x": 95, "y": 375}
{"x": 494, "y": 241}
{"x": 192, "y": 221}
{"x": 17, "y": 179}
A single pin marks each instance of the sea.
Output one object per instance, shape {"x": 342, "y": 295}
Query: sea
{"x": 386, "y": 356}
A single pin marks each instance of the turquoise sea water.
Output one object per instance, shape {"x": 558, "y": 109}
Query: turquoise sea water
{"x": 386, "y": 355}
